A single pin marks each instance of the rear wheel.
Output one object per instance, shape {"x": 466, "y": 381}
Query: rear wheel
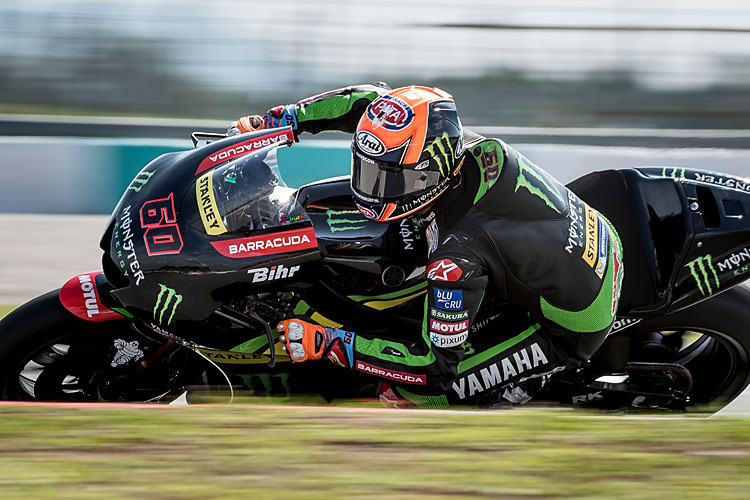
{"x": 711, "y": 340}
{"x": 697, "y": 359}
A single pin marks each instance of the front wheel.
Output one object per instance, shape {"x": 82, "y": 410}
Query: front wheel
{"x": 47, "y": 354}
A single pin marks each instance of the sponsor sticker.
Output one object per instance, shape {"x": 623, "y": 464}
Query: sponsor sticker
{"x": 378, "y": 371}
{"x": 408, "y": 233}
{"x": 369, "y": 143}
{"x": 234, "y": 358}
{"x": 126, "y": 351}
{"x": 448, "y": 340}
{"x": 204, "y": 193}
{"x": 443, "y": 327}
{"x": 267, "y": 244}
{"x": 617, "y": 278}
{"x": 336, "y": 356}
{"x": 444, "y": 270}
{"x": 79, "y": 296}
{"x": 390, "y": 112}
{"x": 432, "y": 236}
{"x": 242, "y": 148}
{"x": 448, "y": 316}
{"x": 449, "y": 300}
{"x": 140, "y": 180}
{"x": 344, "y": 220}
{"x": 508, "y": 368}
{"x": 125, "y": 248}
{"x": 591, "y": 251}
{"x": 601, "y": 264}
{"x": 166, "y": 304}
{"x": 274, "y": 273}
{"x": 575, "y": 223}
{"x": 367, "y": 212}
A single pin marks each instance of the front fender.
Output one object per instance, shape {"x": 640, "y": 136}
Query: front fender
{"x": 81, "y": 294}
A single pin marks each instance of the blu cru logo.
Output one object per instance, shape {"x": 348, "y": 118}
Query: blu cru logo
{"x": 449, "y": 300}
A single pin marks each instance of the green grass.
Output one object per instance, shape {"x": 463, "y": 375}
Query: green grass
{"x": 261, "y": 452}
{"x": 4, "y": 310}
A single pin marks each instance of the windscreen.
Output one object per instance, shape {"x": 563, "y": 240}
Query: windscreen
{"x": 245, "y": 195}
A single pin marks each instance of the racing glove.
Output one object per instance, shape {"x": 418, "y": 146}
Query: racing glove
{"x": 305, "y": 340}
{"x": 280, "y": 116}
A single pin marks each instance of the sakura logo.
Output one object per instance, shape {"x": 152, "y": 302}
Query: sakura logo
{"x": 444, "y": 270}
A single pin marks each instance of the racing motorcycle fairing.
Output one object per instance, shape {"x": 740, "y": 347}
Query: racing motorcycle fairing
{"x": 197, "y": 229}
{"x": 683, "y": 234}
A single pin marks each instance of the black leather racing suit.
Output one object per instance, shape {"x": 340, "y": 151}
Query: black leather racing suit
{"x": 505, "y": 229}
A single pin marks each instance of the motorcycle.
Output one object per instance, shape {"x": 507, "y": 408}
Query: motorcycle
{"x": 208, "y": 249}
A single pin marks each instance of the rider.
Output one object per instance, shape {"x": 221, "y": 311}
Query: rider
{"x": 496, "y": 224}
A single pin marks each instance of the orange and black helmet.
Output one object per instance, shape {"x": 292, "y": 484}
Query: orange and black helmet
{"x": 405, "y": 152}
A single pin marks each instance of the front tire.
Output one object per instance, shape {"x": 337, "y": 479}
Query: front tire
{"x": 48, "y": 354}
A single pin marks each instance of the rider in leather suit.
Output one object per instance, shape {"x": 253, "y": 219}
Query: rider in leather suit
{"x": 497, "y": 225}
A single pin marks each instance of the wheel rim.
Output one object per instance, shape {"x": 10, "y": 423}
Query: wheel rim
{"x": 717, "y": 364}
{"x": 77, "y": 367}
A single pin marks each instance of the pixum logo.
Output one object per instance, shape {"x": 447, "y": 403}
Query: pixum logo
{"x": 370, "y": 144}
{"x": 704, "y": 274}
{"x": 166, "y": 304}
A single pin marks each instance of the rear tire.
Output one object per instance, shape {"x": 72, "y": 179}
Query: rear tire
{"x": 712, "y": 340}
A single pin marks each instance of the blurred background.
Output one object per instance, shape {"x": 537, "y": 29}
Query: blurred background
{"x": 91, "y": 90}
{"x": 592, "y": 63}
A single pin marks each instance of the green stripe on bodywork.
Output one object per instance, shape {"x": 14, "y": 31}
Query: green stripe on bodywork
{"x": 469, "y": 363}
{"x": 332, "y": 107}
{"x": 253, "y": 345}
{"x": 597, "y": 316}
{"x": 431, "y": 402}
{"x": 122, "y": 311}
{"x": 392, "y": 295}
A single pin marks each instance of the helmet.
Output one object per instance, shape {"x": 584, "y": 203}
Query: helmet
{"x": 405, "y": 152}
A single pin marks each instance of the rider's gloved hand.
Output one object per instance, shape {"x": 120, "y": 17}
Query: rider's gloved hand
{"x": 280, "y": 116}
{"x": 305, "y": 340}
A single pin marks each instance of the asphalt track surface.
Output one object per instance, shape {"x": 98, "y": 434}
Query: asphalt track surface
{"x": 39, "y": 253}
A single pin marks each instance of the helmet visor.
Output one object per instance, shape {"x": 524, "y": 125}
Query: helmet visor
{"x": 377, "y": 181}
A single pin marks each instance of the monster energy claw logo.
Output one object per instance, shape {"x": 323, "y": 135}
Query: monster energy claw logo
{"x": 537, "y": 184}
{"x": 673, "y": 172}
{"x": 442, "y": 152}
{"x": 164, "y": 299}
{"x": 344, "y": 220}
{"x": 700, "y": 269}
{"x": 140, "y": 180}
